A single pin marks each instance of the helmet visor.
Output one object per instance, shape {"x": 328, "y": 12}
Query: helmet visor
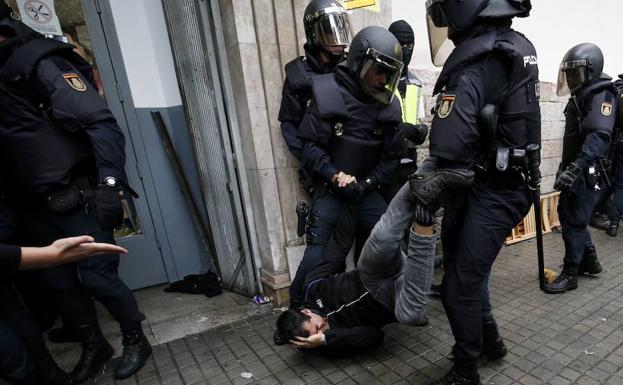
{"x": 332, "y": 29}
{"x": 380, "y": 75}
{"x": 440, "y": 45}
{"x": 571, "y": 75}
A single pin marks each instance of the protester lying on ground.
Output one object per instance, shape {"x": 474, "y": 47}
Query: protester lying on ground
{"x": 343, "y": 314}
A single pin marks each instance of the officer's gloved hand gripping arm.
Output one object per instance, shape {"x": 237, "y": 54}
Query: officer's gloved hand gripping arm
{"x": 75, "y": 105}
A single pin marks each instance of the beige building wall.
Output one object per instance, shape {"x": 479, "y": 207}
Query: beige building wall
{"x": 261, "y": 37}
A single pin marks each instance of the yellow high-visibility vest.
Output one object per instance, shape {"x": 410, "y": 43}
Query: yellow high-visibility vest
{"x": 410, "y": 104}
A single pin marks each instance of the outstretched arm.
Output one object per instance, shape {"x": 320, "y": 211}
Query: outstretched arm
{"x": 64, "y": 251}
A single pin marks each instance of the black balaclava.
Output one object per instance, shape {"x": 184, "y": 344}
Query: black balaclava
{"x": 312, "y": 54}
{"x": 404, "y": 34}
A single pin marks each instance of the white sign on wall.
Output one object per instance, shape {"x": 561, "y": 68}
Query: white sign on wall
{"x": 40, "y": 15}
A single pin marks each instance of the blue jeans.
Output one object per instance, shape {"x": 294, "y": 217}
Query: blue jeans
{"x": 399, "y": 281}
{"x": 323, "y": 216}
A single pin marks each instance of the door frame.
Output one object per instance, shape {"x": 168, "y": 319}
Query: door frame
{"x": 105, "y": 40}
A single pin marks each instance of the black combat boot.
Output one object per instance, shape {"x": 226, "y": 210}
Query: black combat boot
{"x": 136, "y": 350}
{"x": 493, "y": 345}
{"x": 599, "y": 220}
{"x": 590, "y": 264}
{"x": 96, "y": 351}
{"x": 456, "y": 376}
{"x": 47, "y": 371}
{"x": 613, "y": 229}
{"x": 566, "y": 280}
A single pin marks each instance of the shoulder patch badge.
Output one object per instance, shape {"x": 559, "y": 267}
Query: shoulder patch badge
{"x": 606, "y": 109}
{"x": 75, "y": 82}
{"x": 446, "y": 105}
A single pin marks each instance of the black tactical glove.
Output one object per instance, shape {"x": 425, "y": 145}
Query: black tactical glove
{"x": 429, "y": 183}
{"x": 566, "y": 178}
{"x": 108, "y": 208}
{"x": 416, "y": 133}
{"x": 354, "y": 191}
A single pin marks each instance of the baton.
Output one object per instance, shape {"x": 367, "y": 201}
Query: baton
{"x": 533, "y": 154}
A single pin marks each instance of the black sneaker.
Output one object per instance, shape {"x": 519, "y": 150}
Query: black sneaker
{"x": 599, "y": 221}
{"x": 453, "y": 378}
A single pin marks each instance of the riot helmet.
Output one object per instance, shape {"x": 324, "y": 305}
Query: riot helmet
{"x": 405, "y": 36}
{"x": 375, "y": 61}
{"x": 327, "y": 26}
{"x": 580, "y": 64}
{"x": 446, "y": 18}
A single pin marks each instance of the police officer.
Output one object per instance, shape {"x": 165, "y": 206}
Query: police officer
{"x": 350, "y": 141}
{"x": 63, "y": 157}
{"x": 327, "y": 31}
{"x": 590, "y": 116}
{"x": 409, "y": 95}
{"x": 616, "y": 207}
{"x": 487, "y": 114}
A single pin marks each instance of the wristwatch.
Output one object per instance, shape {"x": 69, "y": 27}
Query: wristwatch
{"x": 110, "y": 181}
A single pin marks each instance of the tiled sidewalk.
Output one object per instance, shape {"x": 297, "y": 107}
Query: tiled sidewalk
{"x": 573, "y": 338}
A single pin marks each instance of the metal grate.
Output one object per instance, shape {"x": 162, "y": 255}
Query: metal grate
{"x": 195, "y": 68}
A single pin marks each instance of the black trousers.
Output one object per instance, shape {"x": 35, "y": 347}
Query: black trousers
{"x": 70, "y": 287}
{"x": 473, "y": 231}
{"x": 574, "y": 210}
{"x": 20, "y": 338}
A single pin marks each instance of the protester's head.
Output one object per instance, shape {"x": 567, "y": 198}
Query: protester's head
{"x": 298, "y": 323}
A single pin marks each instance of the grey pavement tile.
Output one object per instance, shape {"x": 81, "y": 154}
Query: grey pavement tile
{"x": 574, "y": 338}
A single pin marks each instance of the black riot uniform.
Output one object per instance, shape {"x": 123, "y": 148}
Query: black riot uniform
{"x": 350, "y": 126}
{"x": 616, "y": 209}
{"x": 326, "y": 26}
{"x": 63, "y": 158}
{"x": 590, "y": 117}
{"x": 487, "y": 113}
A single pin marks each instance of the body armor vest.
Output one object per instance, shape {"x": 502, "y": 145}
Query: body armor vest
{"x": 356, "y": 129}
{"x": 575, "y": 112}
{"x": 519, "y": 122}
